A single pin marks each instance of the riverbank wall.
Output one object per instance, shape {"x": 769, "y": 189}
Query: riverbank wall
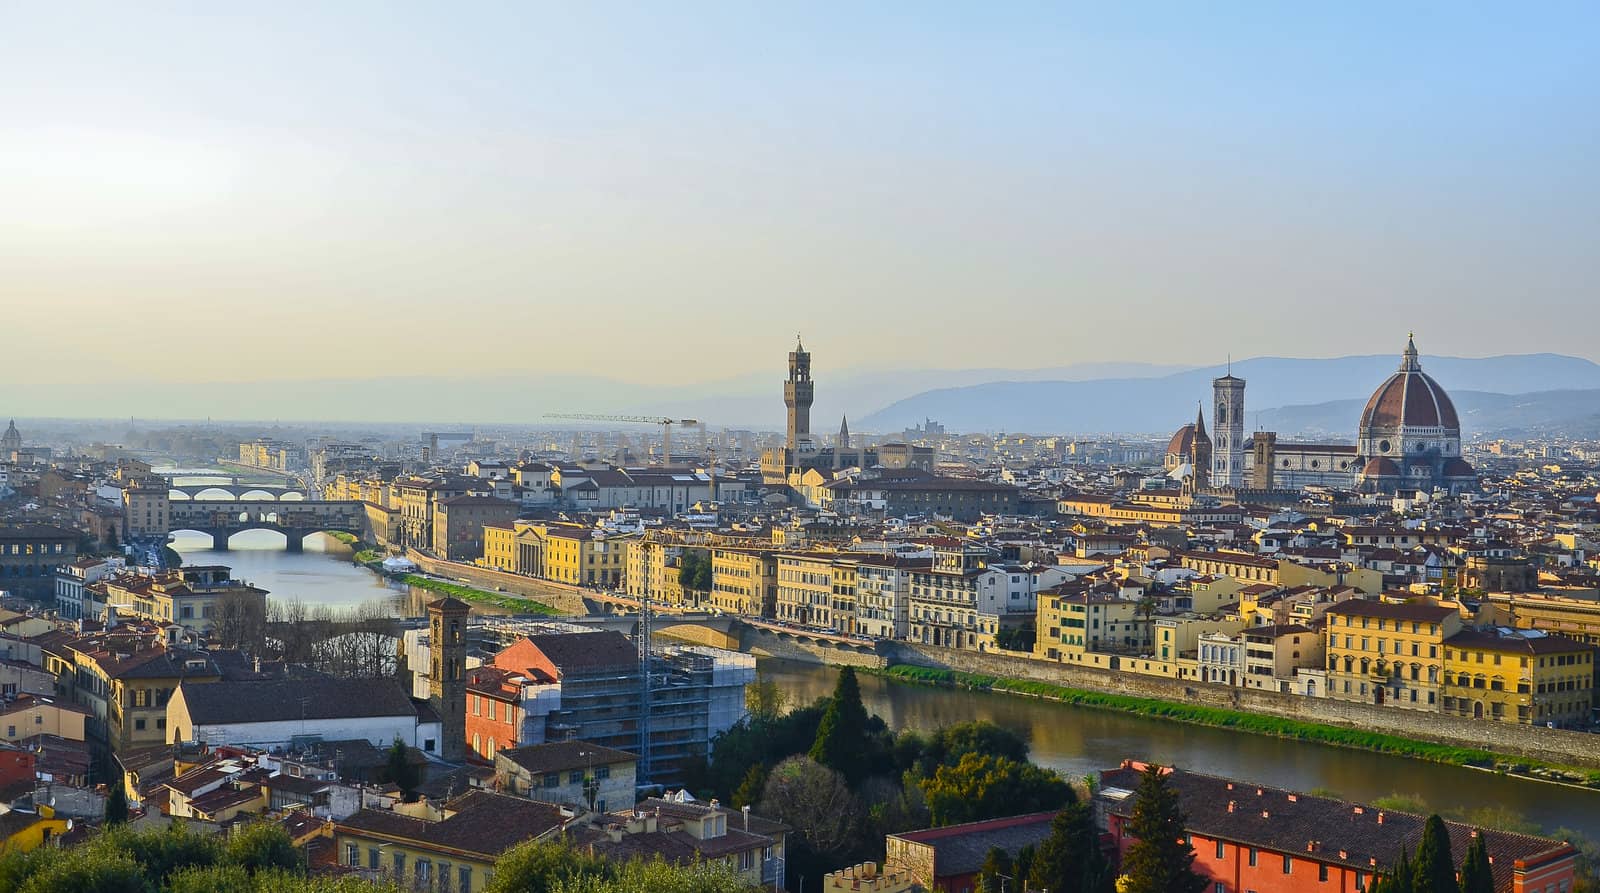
{"x": 565, "y": 599}
{"x": 1556, "y": 746}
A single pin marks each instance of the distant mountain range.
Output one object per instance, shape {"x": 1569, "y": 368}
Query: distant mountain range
{"x": 1292, "y": 396}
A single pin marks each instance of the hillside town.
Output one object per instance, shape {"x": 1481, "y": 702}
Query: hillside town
{"x": 593, "y": 605}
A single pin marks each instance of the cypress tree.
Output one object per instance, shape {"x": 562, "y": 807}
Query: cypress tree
{"x": 1161, "y": 859}
{"x": 996, "y": 868}
{"x": 1436, "y": 868}
{"x": 117, "y": 802}
{"x": 1476, "y": 874}
{"x": 841, "y": 742}
{"x": 1070, "y": 859}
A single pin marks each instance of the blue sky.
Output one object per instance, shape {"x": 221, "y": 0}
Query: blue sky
{"x": 669, "y": 191}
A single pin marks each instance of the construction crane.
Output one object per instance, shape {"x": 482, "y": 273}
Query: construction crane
{"x": 666, "y": 426}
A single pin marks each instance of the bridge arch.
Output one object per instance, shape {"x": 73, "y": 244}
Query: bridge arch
{"x": 212, "y": 494}
{"x": 256, "y": 494}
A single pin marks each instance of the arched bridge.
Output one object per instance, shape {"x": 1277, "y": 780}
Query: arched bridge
{"x": 295, "y": 519}
{"x": 234, "y": 492}
{"x": 733, "y": 632}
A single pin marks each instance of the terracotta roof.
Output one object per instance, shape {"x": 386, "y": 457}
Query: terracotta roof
{"x": 482, "y": 824}
{"x": 1326, "y": 830}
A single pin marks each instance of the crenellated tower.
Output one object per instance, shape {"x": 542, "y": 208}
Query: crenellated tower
{"x": 797, "y": 395}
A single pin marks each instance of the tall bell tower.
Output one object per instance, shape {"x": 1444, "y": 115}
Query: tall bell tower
{"x": 447, "y": 674}
{"x": 1228, "y": 446}
{"x": 797, "y": 394}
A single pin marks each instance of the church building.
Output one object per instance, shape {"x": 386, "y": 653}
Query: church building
{"x": 1408, "y": 439}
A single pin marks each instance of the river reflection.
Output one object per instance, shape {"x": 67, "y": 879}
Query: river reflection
{"x": 1077, "y": 741}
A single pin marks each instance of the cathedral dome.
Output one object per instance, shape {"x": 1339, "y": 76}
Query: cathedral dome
{"x": 1410, "y": 399}
{"x": 1183, "y": 440}
{"x": 1379, "y": 468}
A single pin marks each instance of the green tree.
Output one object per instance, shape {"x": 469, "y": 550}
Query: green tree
{"x": 1436, "y": 868}
{"x": 1401, "y": 877}
{"x": 262, "y": 846}
{"x": 117, "y": 802}
{"x": 841, "y": 742}
{"x": 951, "y": 743}
{"x": 1070, "y": 859}
{"x": 1024, "y": 864}
{"x": 1476, "y": 875}
{"x": 1161, "y": 859}
{"x": 995, "y": 870}
{"x": 984, "y": 787}
{"x": 749, "y": 791}
{"x": 401, "y": 771}
{"x": 541, "y": 866}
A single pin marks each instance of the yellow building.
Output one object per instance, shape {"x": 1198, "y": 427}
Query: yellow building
{"x": 460, "y": 840}
{"x": 1071, "y": 622}
{"x": 842, "y": 610}
{"x": 24, "y": 832}
{"x": 1575, "y": 615}
{"x": 744, "y": 581}
{"x": 1388, "y": 654}
{"x": 580, "y": 556}
{"x": 1518, "y": 678}
{"x": 805, "y": 588}
{"x": 28, "y": 716}
{"x": 652, "y": 569}
{"x": 500, "y": 547}
{"x": 193, "y": 597}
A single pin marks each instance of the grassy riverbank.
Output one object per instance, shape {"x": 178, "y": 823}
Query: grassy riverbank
{"x": 348, "y": 539}
{"x": 1253, "y": 723}
{"x": 468, "y": 594}
{"x": 367, "y": 556}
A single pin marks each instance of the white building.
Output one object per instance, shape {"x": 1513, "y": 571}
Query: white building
{"x": 1012, "y": 589}
{"x": 73, "y": 602}
{"x": 290, "y": 713}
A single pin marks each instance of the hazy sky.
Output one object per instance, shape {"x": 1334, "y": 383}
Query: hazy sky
{"x": 669, "y": 191}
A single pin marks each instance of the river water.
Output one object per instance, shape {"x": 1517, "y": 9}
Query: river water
{"x": 1071, "y": 740}
{"x": 1076, "y": 741}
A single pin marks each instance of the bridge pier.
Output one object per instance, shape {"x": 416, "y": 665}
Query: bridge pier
{"x": 296, "y": 541}
{"x": 219, "y": 540}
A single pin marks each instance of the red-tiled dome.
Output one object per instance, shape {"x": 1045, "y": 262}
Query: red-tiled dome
{"x": 1183, "y": 441}
{"x": 1410, "y": 398}
{"x": 1458, "y": 468}
{"x": 1380, "y": 467}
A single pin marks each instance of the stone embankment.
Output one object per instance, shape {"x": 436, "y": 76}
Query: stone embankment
{"x": 1556, "y": 746}
{"x": 565, "y": 599}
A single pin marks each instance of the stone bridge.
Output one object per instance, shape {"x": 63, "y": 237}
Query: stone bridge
{"x": 294, "y": 518}
{"x": 734, "y": 633}
{"x": 234, "y": 492}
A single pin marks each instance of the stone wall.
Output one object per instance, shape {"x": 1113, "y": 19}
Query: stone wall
{"x": 1533, "y": 742}
{"x": 766, "y": 643}
{"x": 565, "y": 599}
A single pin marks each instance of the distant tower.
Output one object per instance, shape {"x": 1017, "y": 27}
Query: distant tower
{"x": 1200, "y": 453}
{"x": 843, "y": 444}
{"x": 1227, "y": 466}
{"x": 447, "y": 674}
{"x": 10, "y": 441}
{"x": 797, "y": 394}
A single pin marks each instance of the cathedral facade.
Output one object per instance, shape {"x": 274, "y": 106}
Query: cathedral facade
{"x": 1408, "y": 439}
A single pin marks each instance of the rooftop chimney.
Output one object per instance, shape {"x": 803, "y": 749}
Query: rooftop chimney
{"x": 1380, "y": 818}
{"x": 746, "y": 810}
{"x": 1231, "y": 805}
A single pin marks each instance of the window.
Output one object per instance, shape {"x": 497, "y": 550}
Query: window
{"x": 399, "y": 864}
{"x": 372, "y": 858}
{"x": 464, "y": 874}
{"x": 139, "y": 724}
{"x": 1252, "y": 857}
{"x": 1219, "y": 849}
{"x": 424, "y": 873}
{"x": 1322, "y": 873}
{"x": 1288, "y": 864}
{"x": 552, "y": 780}
{"x": 1220, "y": 888}
{"x": 603, "y": 773}
{"x": 352, "y": 855}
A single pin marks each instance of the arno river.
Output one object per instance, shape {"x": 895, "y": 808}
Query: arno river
{"x": 1072, "y": 740}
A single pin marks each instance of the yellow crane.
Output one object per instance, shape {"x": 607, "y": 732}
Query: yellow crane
{"x": 665, "y": 423}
